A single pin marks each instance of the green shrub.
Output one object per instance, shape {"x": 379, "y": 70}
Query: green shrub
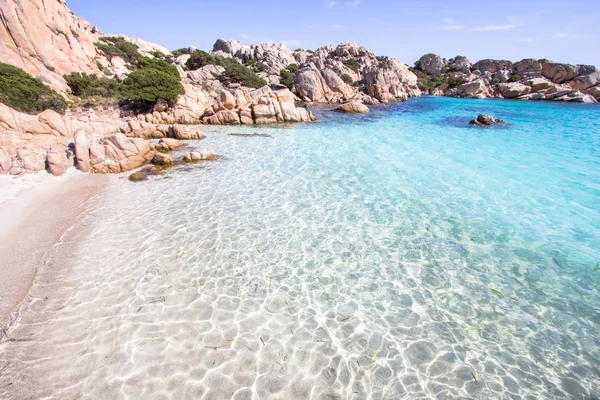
{"x": 357, "y": 83}
{"x": 428, "y": 82}
{"x": 119, "y": 47}
{"x": 515, "y": 78}
{"x": 454, "y": 82}
{"x": 24, "y": 93}
{"x": 382, "y": 65}
{"x": 180, "y": 52}
{"x": 495, "y": 81}
{"x": 348, "y": 79}
{"x": 353, "y": 64}
{"x": 234, "y": 71}
{"x": 150, "y": 84}
{"x": 237, "y": 73}
{"x": 155, "y": 79}
{"x": 83, "y": 85}
{"x": 288, "y": 75}
{"x": 199, "y": 59}
{"x": 257, "y": 65}
{"x": 161, "y": 65}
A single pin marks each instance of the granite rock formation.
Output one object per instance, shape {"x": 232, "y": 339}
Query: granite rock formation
{"x": 528, "y": 79}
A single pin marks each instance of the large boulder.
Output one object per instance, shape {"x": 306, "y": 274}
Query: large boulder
{"x": 58, "y": 159}
{"x": 111, "y": 154}
{"x": 558, "y": 73}
{"x": 492, "y": 66}
{"x": 182, "y": 132}
{"x": 538, "y": 84}
{"x": 225, "y": 117}
{"x": 472, "y": 89}
{"x": 513, "y": 90}
{"x": 431, "y": 63}
{"x": 392, "y": 81}
{"x": 528, "y": 65}
{"x": 462, "y": 64}
{"x": 585, "y": 81}
{"x": 225, "y": 101}
{"x": 352, "y": 107}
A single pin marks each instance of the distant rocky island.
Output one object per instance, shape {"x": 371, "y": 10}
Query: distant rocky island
{"x": 71, "y": 95}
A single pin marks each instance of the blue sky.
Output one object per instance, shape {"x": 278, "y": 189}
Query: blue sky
{"x": 563, "y": 31}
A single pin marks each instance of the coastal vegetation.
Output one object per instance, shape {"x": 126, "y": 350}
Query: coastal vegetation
{"x": 113, "y": 46}
{"x": 25, "y": 93}
{"x": 154, "y": 79}
{"x": 88, "y": 85}
{"x": 288, "y": 75}
{"x": 234, "y": 71}
{"x": 428, "y": 82}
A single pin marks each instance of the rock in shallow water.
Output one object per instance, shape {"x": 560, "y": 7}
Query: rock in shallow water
{"x": 166, "y": 145}
{"x": 197, "y": 156}
{"x": 162, "y": 159}
{"x": 138, "y": 176}
{"x": 352, "y": 107}
{"x": 485, "y": 120}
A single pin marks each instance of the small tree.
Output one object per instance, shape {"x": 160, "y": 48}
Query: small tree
{"x": 149, "y": 85}
{"x": 155, "y": 79}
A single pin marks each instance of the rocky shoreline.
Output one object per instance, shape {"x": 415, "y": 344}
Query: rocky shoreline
{"x": 234, "y": 84}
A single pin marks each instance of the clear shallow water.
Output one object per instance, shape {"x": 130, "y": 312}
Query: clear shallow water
{"x": 399, "y": 254}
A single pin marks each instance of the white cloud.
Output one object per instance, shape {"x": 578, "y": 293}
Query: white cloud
{"x": 562, "y": 34}
{"x": 353, "y": 3}
{"x": 330, "y": 3}
{"x": 493, "y": 28}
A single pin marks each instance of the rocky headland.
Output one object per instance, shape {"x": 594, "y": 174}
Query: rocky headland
{"x": 528, "y": 79}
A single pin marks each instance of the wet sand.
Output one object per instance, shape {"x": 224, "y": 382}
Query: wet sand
{"x": 39, "y": 213}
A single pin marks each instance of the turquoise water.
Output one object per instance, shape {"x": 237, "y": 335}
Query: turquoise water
{"x": 399, "y": 254}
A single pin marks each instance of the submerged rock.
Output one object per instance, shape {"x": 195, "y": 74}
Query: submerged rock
{"x": 138, "y": 176}
{"x": 485, "y": 120}
{"x": 352, "y": 107}
{"x": 162, "y": 159}
{"x": 166, "y": 145}
{"x": 196, "y": 156}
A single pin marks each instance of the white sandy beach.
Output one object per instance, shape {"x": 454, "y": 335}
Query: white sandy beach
{"x": 35, "y": 212}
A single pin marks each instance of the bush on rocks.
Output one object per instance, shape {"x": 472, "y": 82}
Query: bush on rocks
{"x": 234, "y": 71}
{"x": 83, "y": 85}
{"x": 288, "y": 75}
{"x": 113, "y": 46}
{"x": 25, "y": 93}
{"x": 154, "y": 80}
